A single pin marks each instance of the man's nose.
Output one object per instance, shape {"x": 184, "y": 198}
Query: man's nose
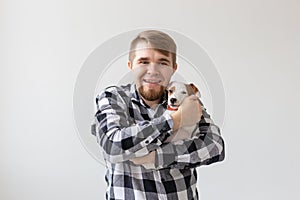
{"x": 153, "y": 68}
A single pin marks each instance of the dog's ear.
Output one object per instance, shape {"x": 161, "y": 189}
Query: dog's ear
{"x": 195, "y": 89}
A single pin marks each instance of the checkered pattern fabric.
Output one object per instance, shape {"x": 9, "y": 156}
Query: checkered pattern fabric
{"x": 127, "y": 128}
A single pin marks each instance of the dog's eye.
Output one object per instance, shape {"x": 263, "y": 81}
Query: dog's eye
{"x": 183, "y": 92}
{"x": 170, "y": 91}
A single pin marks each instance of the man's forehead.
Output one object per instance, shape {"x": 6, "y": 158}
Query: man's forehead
{"x": 150, "y": 53}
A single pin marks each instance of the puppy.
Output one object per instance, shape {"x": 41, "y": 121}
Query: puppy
{"x": 177, "y": 91}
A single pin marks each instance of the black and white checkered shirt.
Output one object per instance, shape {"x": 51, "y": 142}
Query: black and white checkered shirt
{"x": 126, "y": 128}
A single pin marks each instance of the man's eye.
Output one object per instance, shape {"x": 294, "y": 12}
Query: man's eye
{"x": 144, "y": 62}
{"x": 183, "y": 92}
{"x": 164, "y": 63}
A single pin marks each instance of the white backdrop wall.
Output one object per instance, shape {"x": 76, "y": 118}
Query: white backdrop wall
{"x": 254, "y": 45}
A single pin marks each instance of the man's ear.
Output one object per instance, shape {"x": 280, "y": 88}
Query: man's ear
{"x": 175, "y": 68}
{"x": 129, "y": 64}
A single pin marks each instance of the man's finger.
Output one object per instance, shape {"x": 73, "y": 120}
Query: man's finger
{"x": 193, "y": 97}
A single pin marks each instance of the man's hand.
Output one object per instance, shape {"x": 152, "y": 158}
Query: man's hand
{"x": 188, "y": 113}
{"x": 148, "y": 159}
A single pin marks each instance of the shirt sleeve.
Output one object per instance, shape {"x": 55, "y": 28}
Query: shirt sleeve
{"x": 206, "y": 147}
{"x": 119, "y": 135}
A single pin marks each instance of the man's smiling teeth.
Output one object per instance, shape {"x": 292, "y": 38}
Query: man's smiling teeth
{"x": 151, "y": 81}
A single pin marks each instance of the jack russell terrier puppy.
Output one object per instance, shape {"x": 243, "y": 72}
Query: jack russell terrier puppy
{"x": 177, "y": 91}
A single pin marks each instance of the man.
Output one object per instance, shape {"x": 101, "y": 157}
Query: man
{"x": 132, "y": 127}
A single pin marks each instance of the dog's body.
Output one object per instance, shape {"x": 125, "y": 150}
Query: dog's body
{"x": 177, "y": 91}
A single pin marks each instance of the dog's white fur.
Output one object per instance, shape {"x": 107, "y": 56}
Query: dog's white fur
{"x": 177, "y": 91}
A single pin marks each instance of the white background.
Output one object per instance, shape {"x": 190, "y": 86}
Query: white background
{"x": 254, "y": 44}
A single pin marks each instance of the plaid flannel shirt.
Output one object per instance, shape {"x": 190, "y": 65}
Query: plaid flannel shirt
{"x": 127, "y": 128}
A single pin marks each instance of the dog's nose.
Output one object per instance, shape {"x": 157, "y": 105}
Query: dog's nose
{"x": 173, "y": 100}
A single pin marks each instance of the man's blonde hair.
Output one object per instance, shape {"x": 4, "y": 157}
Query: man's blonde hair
{"x": 157, "y": 40}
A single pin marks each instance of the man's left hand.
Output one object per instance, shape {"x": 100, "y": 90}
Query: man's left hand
{"x": 148, "y": 159}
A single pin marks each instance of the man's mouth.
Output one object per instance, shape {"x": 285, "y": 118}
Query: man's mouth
{"x": 152, "y": 81}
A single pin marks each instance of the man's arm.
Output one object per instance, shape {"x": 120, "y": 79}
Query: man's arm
{"x": 120, "y": 137}
{"x": 205, "y": 148}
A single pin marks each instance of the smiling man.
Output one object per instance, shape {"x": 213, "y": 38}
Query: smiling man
{"x": 152, "y": 71}
{"x": 131, "y": 127}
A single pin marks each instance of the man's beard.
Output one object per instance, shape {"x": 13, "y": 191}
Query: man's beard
{"x": 152, "y": 95}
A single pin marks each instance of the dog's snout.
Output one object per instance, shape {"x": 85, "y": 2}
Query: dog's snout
{"x": 173, "y": 100}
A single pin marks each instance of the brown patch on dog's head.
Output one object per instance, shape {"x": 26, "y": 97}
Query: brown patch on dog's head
{"x": 192, "y": 89}
{"x": 171, "y": 90}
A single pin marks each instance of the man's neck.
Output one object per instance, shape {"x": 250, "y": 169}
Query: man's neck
{"x": 151, "y": 104}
